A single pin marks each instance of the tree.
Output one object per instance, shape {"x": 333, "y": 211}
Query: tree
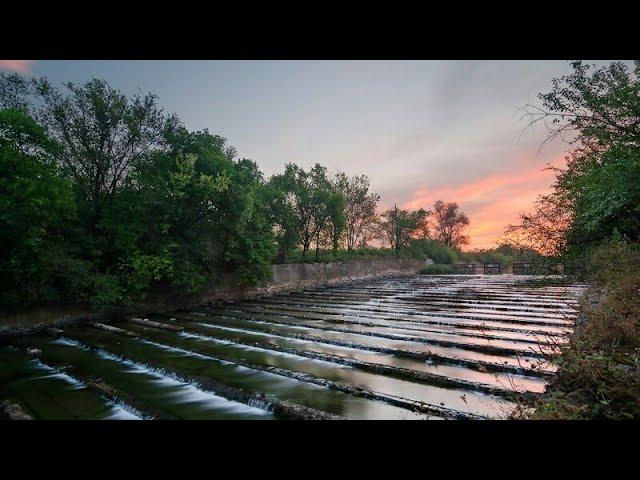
{"x": 309, "y": 201}
{"x": 600, "y": 106}
{"x": 322, "y": 201}
{"x": 596, "y": 196}
{"x": 449, "y": 224}
{"x": 14, "y": 90}
{"x": 281, "y": 205}
{"x": 100, "y": 131}
{"x": 35, "y": 206}
{"x": 296, "y": 188}
{"x": 545, "y": 229}
{"x": 400, "y": 226}
{"x": 194, "y": 212}
{"x": 337, "y": 219}
{"x": 359, "y": 210}
{"x": 422, "y": 230}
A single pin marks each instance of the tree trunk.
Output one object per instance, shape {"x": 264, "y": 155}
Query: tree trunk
{"x": 318, "y": 246}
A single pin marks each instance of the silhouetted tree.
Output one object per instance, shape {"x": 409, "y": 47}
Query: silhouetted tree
{"x": 449, "y": 224}
{"x": 398, "y": 226}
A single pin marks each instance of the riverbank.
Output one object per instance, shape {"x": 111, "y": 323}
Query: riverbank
{"x": 599, "y": 369}
{"x": 285, "y": 278}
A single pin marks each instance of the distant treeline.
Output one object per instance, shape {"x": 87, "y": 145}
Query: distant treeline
{"x": 104, "y": 196}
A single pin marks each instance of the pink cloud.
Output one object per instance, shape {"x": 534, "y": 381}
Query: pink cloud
{"x": 491, "y": 202}
{"x": 22, "y": 66}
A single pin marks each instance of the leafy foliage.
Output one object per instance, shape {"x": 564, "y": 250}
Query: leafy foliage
{"x": 591, "y": 220}
{"x": 436, "y": 269}
{"x": 449, "y": 224}
{"x": 105, "y": 197}
{"x": 35, "y": 203}
{"x": 597, "y": 195}
{"x": 399, "y": 226}
{"x": 359, "y": 208}
{"x": 435, "y": 250}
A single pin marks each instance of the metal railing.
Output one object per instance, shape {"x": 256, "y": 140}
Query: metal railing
{"x": 465, "y": 268}
{"x": 492, "y": 269}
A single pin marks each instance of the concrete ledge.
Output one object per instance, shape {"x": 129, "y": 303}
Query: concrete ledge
{"x": 295, "y": 276}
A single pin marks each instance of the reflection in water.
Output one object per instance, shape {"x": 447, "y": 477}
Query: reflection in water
{"x": 410, "y": 348}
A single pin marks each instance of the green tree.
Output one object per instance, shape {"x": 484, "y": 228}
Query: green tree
{"x": 399, "y": 226}
{"x": 282, "y": 211}
{"x": 337, "y": 219}
{"x": 596, "y": 196}
{"x": 449, "y": 223}
{"x": 204, "y": 213}
{"x": 308, "y": 196}
{"x": 35, "y": 205}
{"x": 359, "y": 210}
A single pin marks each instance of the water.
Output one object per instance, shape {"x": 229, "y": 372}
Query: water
{"x": 403, "y": 348}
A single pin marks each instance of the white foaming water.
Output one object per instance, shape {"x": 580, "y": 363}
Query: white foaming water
{"x": 121, "y": 412}
{"x": 250, "y": 348}
{"x": 55, "y": 373}
{"x": 252, "y": 332}
{"x": 238, "y": 368}
{"x": 68, "y": 342}
{"x": 187, "y": 393}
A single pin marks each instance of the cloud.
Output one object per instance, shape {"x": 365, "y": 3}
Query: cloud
{"x": 491, "y": 202}
{"x": 22, "y": 66}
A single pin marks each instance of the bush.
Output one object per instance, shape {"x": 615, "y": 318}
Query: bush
{"x": 591, "y": 385}
{"x": 437, "y": 269}
{"x": 599, "y": 370}
{"x": 434, "y": 250}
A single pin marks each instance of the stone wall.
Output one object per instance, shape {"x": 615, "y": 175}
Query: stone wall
{"x": 298, "y": 275}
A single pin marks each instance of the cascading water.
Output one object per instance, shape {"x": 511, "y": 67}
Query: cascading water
{"x": 404, "y": 348}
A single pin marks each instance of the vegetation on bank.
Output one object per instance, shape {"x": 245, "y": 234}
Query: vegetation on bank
{"x": 599, "y": 370}
{"x": 105, "y": 197}
{"x": 437, "y": 269}
{"x": 591, "y": 220}
{"x": 341, "y": 255}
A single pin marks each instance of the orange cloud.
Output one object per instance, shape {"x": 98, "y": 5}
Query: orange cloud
{"x": 22, "y": 66}
{"x": 491, "y": 202}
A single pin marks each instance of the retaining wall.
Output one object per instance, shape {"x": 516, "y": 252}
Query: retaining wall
{"x": 285, "y": 278}
{"x": 299, "y": 275}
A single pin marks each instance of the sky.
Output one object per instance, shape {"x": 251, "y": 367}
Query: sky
{"x": 421, "y": 130}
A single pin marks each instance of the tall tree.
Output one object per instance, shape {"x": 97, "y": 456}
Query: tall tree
{"x": 298, "y": 190}
{"x": 283, "y": 213}
{"x": 398, "y": 226}
{"x": 360, "y": 208}
{"x": 449, "y": 223}
{"x": 322, "y": 198}
{"x": 36, "y": 204}
{"x": 337, "y": 220}
{"x": 597, "y": 195}
{"x": 101, "y": 132}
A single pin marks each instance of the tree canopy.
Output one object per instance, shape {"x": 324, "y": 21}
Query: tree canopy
{"x": 106, "y": 198}
{"x": 596, "y": 196}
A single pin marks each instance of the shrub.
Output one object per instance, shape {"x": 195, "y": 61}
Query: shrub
{"x": 437, "y": 269}
{"x": 434, "y": 250}
{"x": 599, "y": 370}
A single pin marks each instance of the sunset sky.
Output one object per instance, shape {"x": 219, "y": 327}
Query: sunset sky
{"x": 421, "y": 130}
